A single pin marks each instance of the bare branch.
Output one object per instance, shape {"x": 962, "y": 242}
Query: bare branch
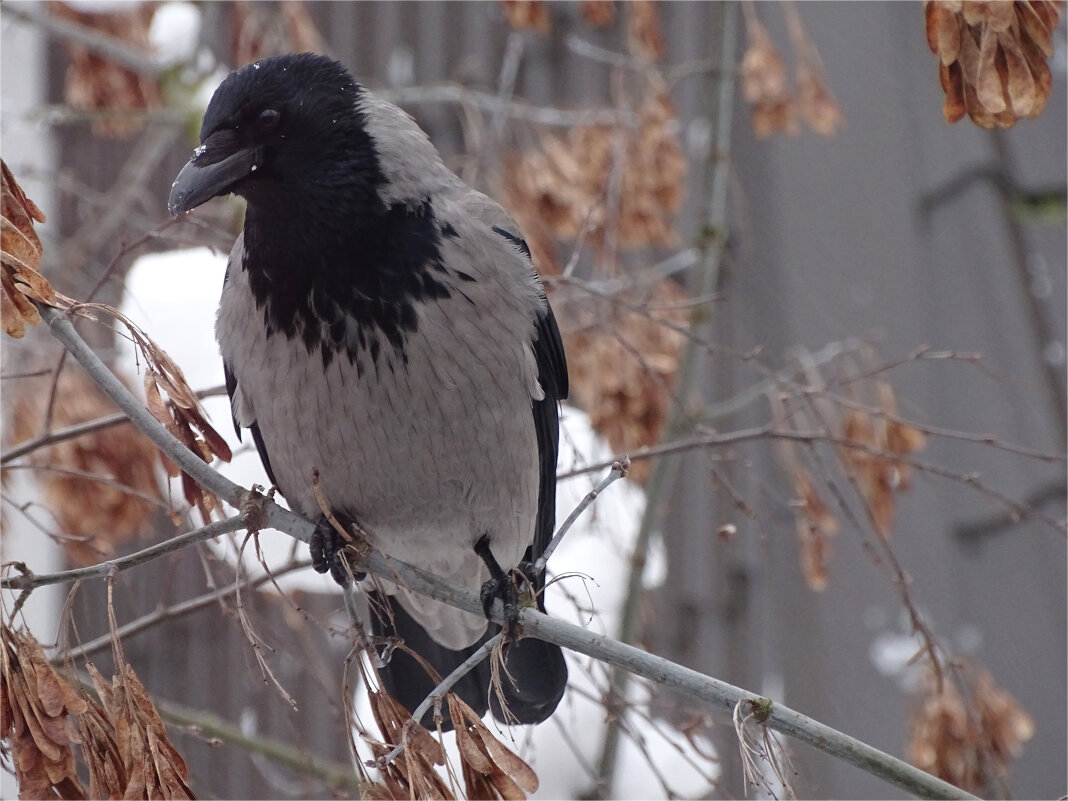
{"x": 81, "y": 429}
{"x": 170, "y": 612}
{"x": 436, "y": 695}
{"x": 486, "y": 101}
{"x": 210, "y": 726}
{"x": 111, "y": 47}
{"x": 619, "y": 470}
{"x": 112, "y": 566}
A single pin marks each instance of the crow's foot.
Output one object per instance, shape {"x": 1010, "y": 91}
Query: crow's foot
{"x": 503, "y": 585}
{"x": 327, "y": 548}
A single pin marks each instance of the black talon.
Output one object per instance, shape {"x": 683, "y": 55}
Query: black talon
{"x": 529, "y": 573}
{"x": 500, "y": 585}
{"x": 327, "y": 547}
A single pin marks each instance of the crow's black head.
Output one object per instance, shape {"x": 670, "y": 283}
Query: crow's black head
{"x": 276, "y": 128}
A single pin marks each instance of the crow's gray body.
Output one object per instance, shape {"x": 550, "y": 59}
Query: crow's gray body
{"x": 431, "y": 449}
{"x": 381, "y": 323}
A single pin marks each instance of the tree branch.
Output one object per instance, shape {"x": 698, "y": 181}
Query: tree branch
{"x": 30, "y": 581}
{"x": 104, "y": 44}
{"x": 205, "y": 724}
{"x": 516, "y": 109}
{"x": 161, "y": 614}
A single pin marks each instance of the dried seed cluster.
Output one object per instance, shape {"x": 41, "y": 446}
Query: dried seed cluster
{"x": 774, "y": 107}
{"x": 100, "y": 487}
{"x": 873, "y": 446}
{"x": 612, "y": 183}
{"x": 35, "y": 723}
{"x": 94, "y": 82}
{"x": 20, "y": 251}
{"x": 123, "y": 741}
{"x": 967, "y": 739}
{"x": 992, "y": 57}
{"x": 623, "y": 370}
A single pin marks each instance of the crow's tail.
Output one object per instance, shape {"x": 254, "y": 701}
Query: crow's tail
{"x": 533, "y": 679}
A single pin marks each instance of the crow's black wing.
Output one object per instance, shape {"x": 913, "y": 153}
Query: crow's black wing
{"x": 552, "y": 375}
{"x": 257, "y": 437}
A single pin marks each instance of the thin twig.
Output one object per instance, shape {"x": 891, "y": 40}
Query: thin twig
{"x": 516, "y": 109}
{"x": 111, "y": 566}
{"x": 127, "y": 248}
{"x": 619, "y": 470}
{"x": 81, "y": 429}
{"x": 96, "y": 478}
{"x": 63, "y": 434}
{"x": 160, "y": 615}
{"x": 112, "y": 47}
{"x": 714, "y": 439}
{"x": 53, "y": 393}
{"x": 435, "y": 697}
{"x": 212, "y": 727}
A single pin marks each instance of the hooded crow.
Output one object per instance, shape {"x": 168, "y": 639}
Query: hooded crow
{"x": 381, "y": 323}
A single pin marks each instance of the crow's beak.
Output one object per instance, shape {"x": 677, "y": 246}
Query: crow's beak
{"x": 216, "y": 166}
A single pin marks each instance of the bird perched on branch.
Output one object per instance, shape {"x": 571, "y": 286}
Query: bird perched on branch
{"x": 381, "y": 323}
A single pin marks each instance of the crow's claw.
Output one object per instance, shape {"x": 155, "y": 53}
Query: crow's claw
{"x": 529, "y": 574}
{"x": 505, "y": 590}
{"x": 501, "y": 585}
{"x": 327, "y": 548}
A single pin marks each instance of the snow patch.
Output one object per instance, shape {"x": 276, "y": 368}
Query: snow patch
{"x": 175, "y": 32}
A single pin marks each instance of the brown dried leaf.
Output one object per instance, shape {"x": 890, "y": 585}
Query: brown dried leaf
{"x": 1037, "y": 21}
{"x": 643, "y": 30}
{"x": 531, "y": 14}
{"x": 15, "y": 309}
{"x": 19, "y": 239}
{"x": 37, "y": 706}
{"x": 815, "y": 100}
{"x": 153, "y": 767}
{"x": 816, "y": 103}
{"x": 94, "y": 82}
{"x": 943, "y": 32}
{"x": 490, "y": 769}
{"x": 963, "y": 738}
{"x": 953, "y": 84}
{"x": 987, "y": 81}
{"x": 1041, "y": 73}
{"x": 764, "y": 84}
{"x": 96, "y": 515}
{"x": 412, "y": 774}
{"x": 598, "y": 13}
{"x": 1017, "y": 80}
{"x": 876, "y": 469}
{"x": 999, "y": 74}
{"x": 107, "y": 775}
{"x": 815, "y": 527}
{"x": 20, "y": 252}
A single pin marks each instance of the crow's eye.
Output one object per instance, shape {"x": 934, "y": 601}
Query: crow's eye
{"x": 268, "y": 120}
